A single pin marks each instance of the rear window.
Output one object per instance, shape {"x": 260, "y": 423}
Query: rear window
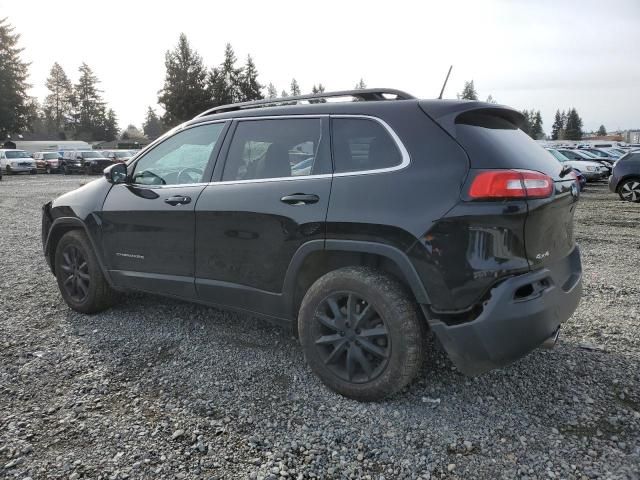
{"x": 492, "y": 141}
{"x": 361, "y": 144}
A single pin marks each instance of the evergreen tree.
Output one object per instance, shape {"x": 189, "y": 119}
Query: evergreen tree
{"x": 36, "y": 119}
{"x": 57, "y": 104}
{"x": 295, "y": 88}
{"x": 271, "y": 91}
{"x": 602, "y": 131}
{"x": 224, "y": 80}
{"x": 573, "y": 128}
{"x": 152, "y": 126}
{"x": 317, "y": 90}
{"x": 557, "y": 129}
{"x": 250, "y": 89}
{"x": 14, "y": 108}
{"x": 537, "y": 133}
{"x": 490, "y": 99}
{"x": 185, "y": 93}
{"x": 110, "y": 126}
{"x": 469, "y": 91}
{"x": 361, "y": 85}
{"x": 89, "y": 108}
{"x": 284, "y": 93}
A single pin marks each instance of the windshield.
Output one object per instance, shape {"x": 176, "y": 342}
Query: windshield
{"x": 560, "y": 157}
{"x": 122, "y": 154}
{"x": 17, "y": 154}
{"x": 50, "y": 156}
{"x": 91, "y": 155}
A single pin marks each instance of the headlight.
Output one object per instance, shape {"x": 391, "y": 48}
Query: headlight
{"x": 591, "y": 169}
{"x": 14, "y": 164}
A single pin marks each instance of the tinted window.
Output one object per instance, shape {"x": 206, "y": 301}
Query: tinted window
{"x": 494, "y": 141}
{"x": 180, "y": 159}
{"x": 17, "y": 154}
{"x": 276, "y": 148}
{"x": 361, "y": 144}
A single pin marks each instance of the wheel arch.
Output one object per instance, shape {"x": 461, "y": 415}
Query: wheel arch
{"x": 318, "y": 257}
{"x": 59, "y": 228}
{"x": 624, "y": 178}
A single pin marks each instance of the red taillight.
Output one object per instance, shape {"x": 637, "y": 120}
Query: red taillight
{"x": 504, "y": 184}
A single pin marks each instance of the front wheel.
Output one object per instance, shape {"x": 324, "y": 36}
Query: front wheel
{"x": 33, "y": 172}
{"x": 8, "y": 170}
{"x": 361, "y": 333}
{"x": 66, "y": 170}
{"x": 80, "y": 279}
{"x": 629, "y": 190}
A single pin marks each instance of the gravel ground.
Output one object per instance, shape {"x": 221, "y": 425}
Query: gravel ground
{"x": 156, "y": 388}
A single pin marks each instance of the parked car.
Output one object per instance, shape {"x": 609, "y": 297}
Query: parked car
{"x": 415, "y": 215}
{"x": 17, "y": 161}
{"x": 586, "y": 156}
{"x": 117, "y": 156}
{"x": 83, "y": 161}
{"x": 604, "y": 154}
{"x": 625, "y": 179}
{"x": 47, "y": 161}
{"x": 591, "y": 171}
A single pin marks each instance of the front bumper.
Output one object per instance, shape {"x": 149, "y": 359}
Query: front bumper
{"x": 22, "y": 168}
{"x": 97, "y": 167}
{"x": 593, "y": 175}
{"x": 510, "y": 326}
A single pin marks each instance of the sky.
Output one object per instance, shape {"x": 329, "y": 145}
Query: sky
{"x": 542, "y": 55}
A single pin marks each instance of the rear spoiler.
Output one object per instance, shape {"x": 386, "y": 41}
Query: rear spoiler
{"x": 448, "y": 113}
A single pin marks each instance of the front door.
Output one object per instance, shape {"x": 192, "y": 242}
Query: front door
{"x": 270, "y": 199}
{"x": 148, "y": 224}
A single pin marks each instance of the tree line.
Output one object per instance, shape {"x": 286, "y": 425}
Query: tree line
{"x": 78, "y": 110}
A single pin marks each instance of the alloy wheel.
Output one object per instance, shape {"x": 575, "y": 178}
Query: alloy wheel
{"x": 630, "y": 190}
{"x": 351, "y": 338}
{"x": 75, "y": 271}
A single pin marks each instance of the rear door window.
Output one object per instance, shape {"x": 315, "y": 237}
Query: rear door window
{"x": 277, "y": 148}
{"x": 361, "y": 144}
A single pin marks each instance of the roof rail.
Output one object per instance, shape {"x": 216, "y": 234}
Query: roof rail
{"x": 364, "y": 94}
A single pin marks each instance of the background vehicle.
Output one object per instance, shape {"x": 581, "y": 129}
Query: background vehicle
{"x": 591, "y": 171}
{"x": 17, "y": 161}
{"x": 47, "y": 161}
{"x": 361, "y": 251}
{"x": 625, "y": 179}
{"x": 586, "y": 156}
{"x": 117, "y": 156}
{"x": 604, "y": 154}
{"x": 84, "y": 161}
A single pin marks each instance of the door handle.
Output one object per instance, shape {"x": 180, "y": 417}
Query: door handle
{"x": 177, "y": 200}
{"x": 300, "y": 199}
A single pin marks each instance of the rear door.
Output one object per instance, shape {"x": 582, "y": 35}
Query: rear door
{"x": 271, "y": 197}
{"x": 148, "y": 225}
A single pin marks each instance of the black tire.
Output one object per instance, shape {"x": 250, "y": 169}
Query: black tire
{"x": 65, "y": 170}
{"x": 47, "y": 170}
{"x": 629, "y": 190}
{"x": 377, "y": 372}
{"x": 87, "y": 170}
{"x": 75, "y": 258}
{"x": 33, "y": 172}
{"x": 8, "y": 170}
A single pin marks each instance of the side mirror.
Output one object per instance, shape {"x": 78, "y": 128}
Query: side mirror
{"x": 116, "y": 173}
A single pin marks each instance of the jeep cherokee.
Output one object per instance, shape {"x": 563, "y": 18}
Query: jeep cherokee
{"x": 361, "y": 224}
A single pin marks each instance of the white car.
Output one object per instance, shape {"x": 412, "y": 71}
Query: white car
{"x": 17, "y": 161}
{"x": 590, "y": 170}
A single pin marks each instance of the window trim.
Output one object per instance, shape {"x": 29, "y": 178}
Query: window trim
{"x": 406, "y": 158}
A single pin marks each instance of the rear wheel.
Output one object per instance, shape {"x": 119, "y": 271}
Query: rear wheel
{"x": 33, "y": 172}
{"x": 629, "y": 190}
{"x": 87, "y": 170}
{"x": 361, "y": 333}
{"x": 66, "y": 170}
{"x": 80, "y": 279}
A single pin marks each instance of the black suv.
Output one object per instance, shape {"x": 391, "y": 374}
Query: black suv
{"x": 363, "y": 224}
{"x": 83, "y": 161}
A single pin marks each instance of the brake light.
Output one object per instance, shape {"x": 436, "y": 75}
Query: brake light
{"x": 505, "y": 184}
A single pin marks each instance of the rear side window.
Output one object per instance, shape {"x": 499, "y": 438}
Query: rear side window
{"x": 362, "y": 144}
{"x": 494, "y": 141}
{"x": 276, "y": 148}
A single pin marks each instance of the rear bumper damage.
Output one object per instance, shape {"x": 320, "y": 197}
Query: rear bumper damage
{"x": 522, "y": 313}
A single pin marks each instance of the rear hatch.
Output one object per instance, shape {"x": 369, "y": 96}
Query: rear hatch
{"x": 491, "y": 136}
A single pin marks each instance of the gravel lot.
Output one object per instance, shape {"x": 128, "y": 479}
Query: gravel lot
{"x": 156, "y": 388}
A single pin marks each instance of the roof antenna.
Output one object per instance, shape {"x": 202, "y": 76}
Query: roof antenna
{"x": 445, "y": 82}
